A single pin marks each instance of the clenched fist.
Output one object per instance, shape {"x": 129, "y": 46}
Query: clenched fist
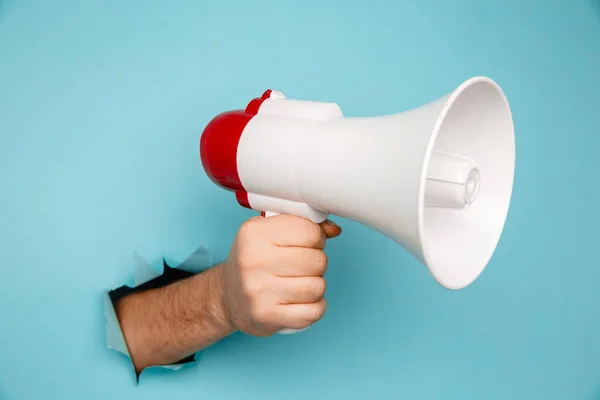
{"x": 271, "y": 281}
{"x": 273, "y": 277}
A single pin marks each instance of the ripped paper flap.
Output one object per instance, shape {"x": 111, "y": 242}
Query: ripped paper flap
{"x": 196, "y": 262}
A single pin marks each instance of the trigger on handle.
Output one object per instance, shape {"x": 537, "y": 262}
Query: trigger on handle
{"x": 261, "y": 202}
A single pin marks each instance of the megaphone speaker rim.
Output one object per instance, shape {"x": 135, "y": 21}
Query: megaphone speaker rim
{"x": 458, "y": 271}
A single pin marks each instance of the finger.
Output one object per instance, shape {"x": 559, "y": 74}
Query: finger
{"x": 300, "y": 290}
{"x": 331, "y": 229}
{"x": 300, "y": 316}
{"x": 292, "y": 231}
{"x": 299, "y": 261}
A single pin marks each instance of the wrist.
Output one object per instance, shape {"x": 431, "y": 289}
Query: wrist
{"x": 162, "y": 326}
{"x": 211, "y": 300}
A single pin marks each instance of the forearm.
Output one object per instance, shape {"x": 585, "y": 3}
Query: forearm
{"x": 162, "y": 326}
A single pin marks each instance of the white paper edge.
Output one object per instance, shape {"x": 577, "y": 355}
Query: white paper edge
{"x": 196, "y": 262}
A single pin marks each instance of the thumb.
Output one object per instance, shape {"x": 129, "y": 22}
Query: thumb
{"x": 331, "y": 229}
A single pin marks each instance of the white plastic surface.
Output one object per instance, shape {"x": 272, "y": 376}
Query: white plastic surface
{"x": 374, "y": 171}
{"x": 279, "y": 206}
{"x": 277, "y": 104}
{"x": 452, "y": 181}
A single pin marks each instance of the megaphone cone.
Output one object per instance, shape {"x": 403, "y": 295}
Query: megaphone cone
{"x": 437, "y": 179}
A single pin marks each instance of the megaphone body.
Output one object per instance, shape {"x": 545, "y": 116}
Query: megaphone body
{"x": 436, "y": 179}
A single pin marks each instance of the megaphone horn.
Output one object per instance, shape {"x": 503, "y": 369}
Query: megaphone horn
{"x": 437, "y": 179}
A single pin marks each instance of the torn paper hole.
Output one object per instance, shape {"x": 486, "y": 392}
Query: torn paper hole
{"x": 197, "y": 262}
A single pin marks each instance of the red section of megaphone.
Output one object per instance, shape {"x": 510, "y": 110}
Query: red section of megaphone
{"x": 219, "y": 144}
{"x": 255, "y": 104}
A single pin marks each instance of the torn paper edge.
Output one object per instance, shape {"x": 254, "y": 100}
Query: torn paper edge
{"x": 200, "y": 260}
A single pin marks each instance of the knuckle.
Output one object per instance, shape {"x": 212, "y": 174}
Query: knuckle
{"x": 322, "y": 309}
{"x": 315, "y": 233}
{"x": 315, "y": 289}
{"x": 261, "y": 313}
{"x": 322, "y": 260}
{"x": 249, "y": 257}
{"x": 316, "y": 313}
{"x": 254, "y": 288}
{"x": 247, "y": 260}
{"x": 320, "y": 288}
{"x": 247, "y": 228}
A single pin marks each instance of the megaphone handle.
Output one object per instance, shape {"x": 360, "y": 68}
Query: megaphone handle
{"x": 283, "y": 331}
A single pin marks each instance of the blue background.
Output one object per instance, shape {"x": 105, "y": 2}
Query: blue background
{"x": 101, "y": 108}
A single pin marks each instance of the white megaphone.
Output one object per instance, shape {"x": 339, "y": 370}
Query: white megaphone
{"x": 437, "y": 179}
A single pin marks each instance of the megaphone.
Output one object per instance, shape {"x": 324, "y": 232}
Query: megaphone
{"x": 437, "y": 179}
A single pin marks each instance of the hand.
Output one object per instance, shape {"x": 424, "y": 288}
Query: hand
{"x": 273, "y": 277}
{"x": 272, "y": 280}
